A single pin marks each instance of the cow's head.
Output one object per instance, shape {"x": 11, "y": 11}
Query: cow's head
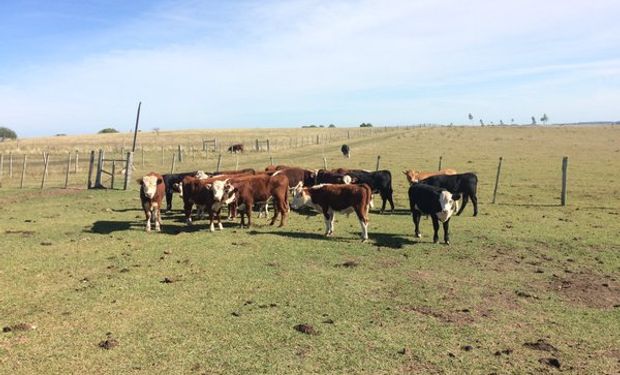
{"x": 448, "y": 204}
{"x": 300, "y": 196}
{"x": 149, "y": 185}
{"x": 219, "y": 189}
{"x": 202, "y": 175}
{"x": 178, "y": 188}
{"x": 412, "y": 176}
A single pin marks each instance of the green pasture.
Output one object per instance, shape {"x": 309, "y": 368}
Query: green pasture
{"x": 525, "y": 287}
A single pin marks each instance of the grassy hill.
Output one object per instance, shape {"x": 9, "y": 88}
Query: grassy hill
{"x": 525, "y": 287}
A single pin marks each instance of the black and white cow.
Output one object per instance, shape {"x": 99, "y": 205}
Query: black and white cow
{"x": 379, "y": 181}
{"x": 346, "y": 151}
{"x": 464, "y": 183}
{"x": 169, "y": 181}
{"x": 437, "y": 202}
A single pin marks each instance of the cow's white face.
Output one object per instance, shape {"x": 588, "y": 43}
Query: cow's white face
{"x": 149, "y": 186}
{"x": 300, "y": 197}
{"x": 218, "y": 190}
{"x": 448, "y": 205}
{"x": 201, "y": 175}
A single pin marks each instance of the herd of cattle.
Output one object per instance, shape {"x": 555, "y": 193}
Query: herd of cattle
{"x": 345, "y": 190}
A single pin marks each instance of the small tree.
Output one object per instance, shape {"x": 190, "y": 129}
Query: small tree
{"x": 156, "y": 130}
{"x": 481, "y": 122}
{"x": 471, "y": 118}
{"x": 533, "y": 120}
{"x": 544, "y": 119}
{"x": 108, "y": 130}
{"x": 331, "y": 126}
{"x": 6, "y": 133}
{"x": 501, "y": 122}
{"x": 365, "y": 125}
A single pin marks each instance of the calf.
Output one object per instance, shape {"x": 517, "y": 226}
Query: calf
{"x": 346, "y": 151}
{"x": 328, "y": 198}
{"x": 169, "y": 181}
{"x": 259, "y": 188}
{"x": 436, "y": 202}
{"x": 417, "y": 176}
{"x": 152, "y": 191}
{"x": 208, "y": 195}
{"x": 379, "y": 181}
{"x": 464, "y": 183}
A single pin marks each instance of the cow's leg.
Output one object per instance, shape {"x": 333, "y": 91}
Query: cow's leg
{"x": 168, "y": 200}
{"x": 332, "y": 219}
{"x": 416, "y": 222}
{"x": 211, "y": 226}
{"x": 219, "y": 219}
{"x": 158, "y": 218}
{"x": 474, "y": 200}
{"x": 390, "y": 199}
{"x": 284, "y": 209}
{"x": 384, "y": 200}
{"x": 187, "y": 208}
{"x": 446, "y": 234}
{"x": 327, "y": 218}
{"x": 148, "y": 214}
{"x": 363, "y": 219}
{"x": 464, "y": 203}
{"x": 248, "y": 212}
{"x": 435, "y": 229}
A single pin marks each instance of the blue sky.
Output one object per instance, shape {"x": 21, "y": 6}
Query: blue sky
{"x": 78, "y": 66}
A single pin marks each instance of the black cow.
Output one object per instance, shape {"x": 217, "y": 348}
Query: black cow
{"x": 379, "y": 181}
{"x": 346, "y": 151}
{"x": 437, "y": 202}
{"x": 323, "y": 176}
{"x": 464, "y": 183}
{"x": 169, "y": 181}
{"x": 237, "y": 147}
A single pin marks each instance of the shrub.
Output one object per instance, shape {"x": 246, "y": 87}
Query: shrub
{"x": 6, "y": 133}
{"x": 108, "y": 130}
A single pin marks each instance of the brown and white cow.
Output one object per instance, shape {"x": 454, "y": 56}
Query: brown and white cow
{"x": 257, "y": 189}
{"x": 329, "y": 198}
{"x": 414, "y": 176}
{"x": 152, "y": 192}
{"x": 206, "y": 194}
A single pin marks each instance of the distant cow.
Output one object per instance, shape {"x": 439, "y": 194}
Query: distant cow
{"x": 329, "y": 198}
{"x": 260, "y": 188}
{"x": 379, "y": 181}
{"x": 169, "y": 181}
{"x": 436, "y": 202}
{"x": 417, "y": 176}
{"x": 464, "y": 183}
{"x": 237, "y": 147}
{"x": 346, "y": 151}
{"x": 152, "y": 191}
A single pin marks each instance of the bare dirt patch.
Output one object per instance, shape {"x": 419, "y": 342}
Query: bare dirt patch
{"x": 458, "y": 317}
{"x": 587, "y": 289}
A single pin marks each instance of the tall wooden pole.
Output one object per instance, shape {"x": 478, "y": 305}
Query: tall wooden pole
{"x": 499, "y": 170}
{"x": 564, "y": 179}
{"x": 46, "y": 158}
{"x": 135, "y": 132}
{"x": 378, "y": 161}
{"x": 21, "y": 183}
{"x": 128, "y": 171}
{"x": 91, "y": 164}
{"x": 68, "y": 169}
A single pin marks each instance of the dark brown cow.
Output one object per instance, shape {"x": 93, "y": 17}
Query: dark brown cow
{"x": 152, "y": 192}
{"x": 237, "y": 147}
{"x": 272, "y": 168}
{"x": 206, "y": 194}
{"x": 328, "y": 198}
{"x": 296, "y": 175}
{"x": 259, "y": 188}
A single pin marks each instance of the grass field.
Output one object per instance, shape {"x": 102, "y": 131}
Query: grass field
{"x": 525, "y": 287}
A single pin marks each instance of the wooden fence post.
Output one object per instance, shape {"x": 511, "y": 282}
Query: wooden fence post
{"x": 237, "y": 162}
{"x": 173, "y": 162}
{"x": 46, "y": 158}
{"x": 77, "y": 159}
{"x": 68, "y": 169}
{"x": 162, "y": 155}
{"x": 128, "y": 171}
{"x": 180, "y": 157}
{"x": 91, "y": 164}
{"x": 325, "y": 163}
{"x": 98, "y": 184}
{"x": 440, "y": 160}
{"x": 499, "y": 170}
{"x": 564, "y": 179}
{"x": 268, "y": 148}
{"x": 270, "y": 160}
{"x": 257, "y": 145}
{"x": 21, "y": 183}
{"x": 1, "y": 164}
{"x": 219, "y": 162}
{"x": 10, "y": 164}
{"x": 378, "y": 160}
{"x": 113, "y": 174}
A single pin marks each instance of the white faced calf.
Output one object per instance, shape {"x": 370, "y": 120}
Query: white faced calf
{"x": 152, "y": 192}
{"x": 439, "y": 203}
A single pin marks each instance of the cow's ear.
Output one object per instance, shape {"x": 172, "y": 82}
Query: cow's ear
{"x": 456, "y": 197}
{"x": 139, "y": 181}
{"x": 405, "y": 173}
{"x": 160, "y": 181}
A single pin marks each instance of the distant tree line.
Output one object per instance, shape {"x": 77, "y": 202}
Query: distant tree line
{"x": 6, "y": 133}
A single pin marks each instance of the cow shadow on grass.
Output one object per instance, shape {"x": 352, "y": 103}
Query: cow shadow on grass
{"x": 108, "y": 227}
{"x": 387, "y": 212}
{"x": 391, "y": 240}
{"x": 289, "y": 234}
